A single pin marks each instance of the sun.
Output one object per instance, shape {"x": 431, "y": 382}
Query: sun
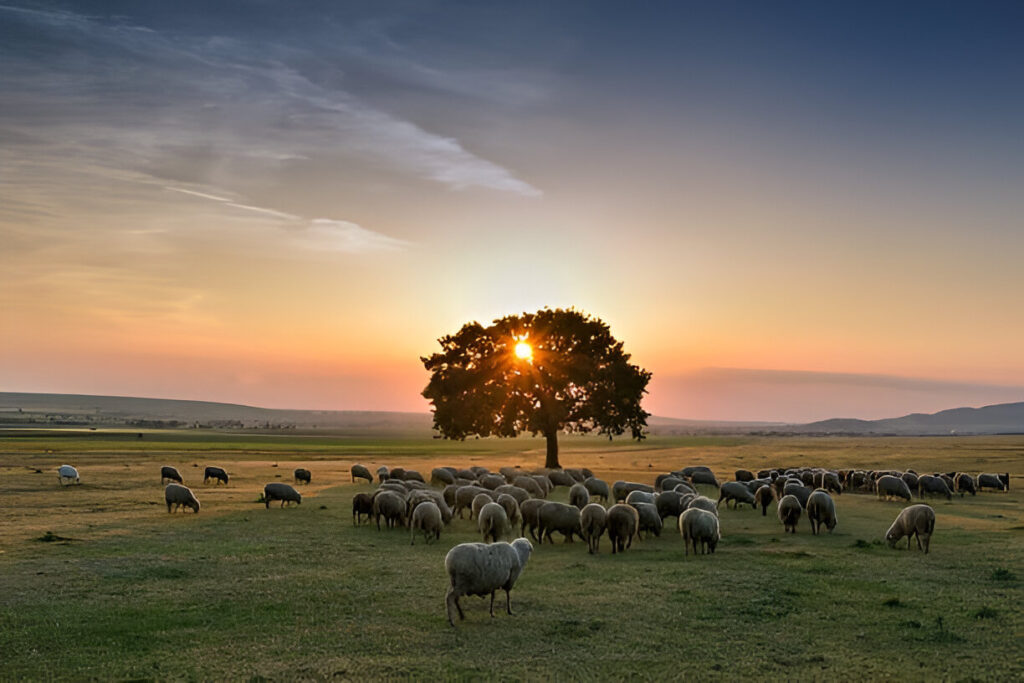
{"x": 524, "y": 351}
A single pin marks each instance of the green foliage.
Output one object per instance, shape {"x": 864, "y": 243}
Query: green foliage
{"x": 1003, "y": 574}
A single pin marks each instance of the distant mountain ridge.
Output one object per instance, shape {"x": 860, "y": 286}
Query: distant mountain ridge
{"x": 1001, "y": 418}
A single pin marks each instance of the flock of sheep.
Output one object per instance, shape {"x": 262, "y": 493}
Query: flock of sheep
{"x": 515, "y": 501}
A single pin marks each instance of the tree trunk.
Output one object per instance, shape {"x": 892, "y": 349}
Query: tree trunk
{"x": 551, "y": 462}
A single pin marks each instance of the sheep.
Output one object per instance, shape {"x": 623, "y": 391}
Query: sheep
{"x": 168, "y": 473}
{"x": 576, "y": 474}
{"x": 529, "y": 513}
{"x": 492, "y": 481}
{"x": 799, "y": 491}
{"x": 413, "y": 475}
{"x": 737, "y": 492}
{"x": 1005, "y": 478}
{"x": 391, "y": 507}
{"x": 913, "y": 520}
{"x": 362, "y": 504}
{"x": 623, "y": 522}
{"x": 464, "y": 496}
{"x": 593, "y": 519}
{"x": 764, "y": 497}
{"x": 650, "y": 520}
{"x": 282, "y": 492}
{"x": 479, "y": 471}
{"x": 426, "y": 517}
{"x": 703, "y": 503}
{"x": 493, "y": 522}
{"x": 479, "y": 569}
{"x": 544, "y": 483}
{"x": 702, "y": 477}
{"x": 789, "y": 511}
{"x": 699, "y": 526}
{"x": 672, "y": 482}
{"x": 992, "y": 481}
{"x": 466, "y": 474}
{"x": 510, "y": 473}
{"x": 560, "y": 478}
{"x": 420, "y": 496}
{"x": 621, "y": 489}
{"x": 479, "y": 500}
{"x": 640, "y": 497}
{"x": 302, "y": 475}
{"x": 396, "y": 486}
{"x": 511, "y": 490}
{"x": 830, "y": 482}
{"x": 511, "y": 506}
{"x": 965, "y": 484}
{"x": 687, "y": 472}
{"x": 927, "y": 483}
{"x": 579, "y": 496}
{"x": 69, "y": 473}
{"x": 911, "y": 478}
{"x": 890, "y": 486}
{"x": 684, "y": 488}
{"x": 358, "y": 470}
{"x": 179, "y": 496}
{"x": 530, "y": 485}
{"x": 821, "y": 509}
{"x": 397, "y": 473}
{"x": 216, "y": 473}
{"x": 440, "y": 475}
{"x": 383, "y": 473}
{"x": 754, "y": 484}
{"x": 744, "y": 475}
{"x": 597, "y": 488}
{"x": 559, "y": 517}
{"x": 669, "y": 504}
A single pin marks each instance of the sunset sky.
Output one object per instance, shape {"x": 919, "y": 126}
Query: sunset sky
{"x": 786, "y": 210}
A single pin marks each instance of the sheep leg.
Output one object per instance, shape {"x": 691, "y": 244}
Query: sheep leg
{"x": 492, "y": 603}
{"x": 508, "y": 602}
{"x": 449, "y": 600}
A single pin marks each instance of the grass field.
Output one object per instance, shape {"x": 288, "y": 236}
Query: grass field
{"x": 245, "y": 593}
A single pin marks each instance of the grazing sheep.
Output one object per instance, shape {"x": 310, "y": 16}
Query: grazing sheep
{"x": 1005, "y": 478}
{"x": 479, "y": 500}
{"x": 510, "y": 473}
{"x": 687, "y": 472}
{"x": 702, "y": 477}
{"x": 422, "y": 495}
{"x": 621, "y": 489}
{"x": 391, "y": 507}
{"x": 180, "y": 496}
{"x": 911, "y": 478}
{"x": 703, "y": 503}
{"x": 216, "y": 473}
{"x": 699, "y": 526}
{"x": 821, "y": 509}
{"x": 669, "y": 504}
{"x": 358, "y": 470}
{"x": 593, "y": 520}
{"x": 464, "y": 496}
{"x": 544, "y": 483}
{"x": 560, "y": 478}
{"x": 282, "y": 492}
{"x": 672, "y": 482}
{"x": 684, "y": 488}
{"x": 927, "y": 483}
{"x": 623, "y": 522}
{"x": 579, "y": 496}
{"x": 650, "y": 520}
{"x": 889, "y": 486}
{"x": 511, "y": 506}
{"x": 744, "y": 475}
{"x": 412, "y": 476}
{"x": 492, "y": 481}
{"x": 559, "y": 517}
{"x": 512, "y": 490}
{"x": 383, "y": 473}
{"x": 362, "y": 504}
{"x": 302, "y": 475}
{"x": 426, "y": 517}
{"x": 70, "y": 474}
{"x": 801, "y": 492}
{"x": 764, "y": 498}
{"x": 493, "y": 522}
{"x": 168, "y": 473}
{"x": 576, "y": 474}
{"x": 529, "y": 484}
{"x": 440, "y": 475}
{"x": 597, "y": 488}
{"x": 640, "y": 497}
{"x": 738, "y": 493}
{"x": 397, "y": 473}
{"x": 913, "y": 520}
{"x": 479, "y": 471}
{"x": 992, "y": 481}
{"x": 830, "y": 482}
{"x": 479, "y": 569}
{"x": 965, "y": 484}
{"x": 529, "y": 513}
{"x": 789, "y": 512}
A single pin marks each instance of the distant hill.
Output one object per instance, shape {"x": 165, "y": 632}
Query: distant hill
{"x": 1003, "y": 418}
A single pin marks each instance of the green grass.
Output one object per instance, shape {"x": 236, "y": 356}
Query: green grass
{"x": 250, "y": 593}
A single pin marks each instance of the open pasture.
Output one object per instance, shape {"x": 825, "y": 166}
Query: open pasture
{"x": 242, "y": 592}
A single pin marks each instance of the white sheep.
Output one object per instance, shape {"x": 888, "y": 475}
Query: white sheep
{"x": 821, "y": 509}
{"x": 493, "y": 522}
{"x": 179, "y": 496}
{"x": 699, "y": 526}
{"x": 69, "y": 473}
{"x": 913, "y": 520}
{"x": 426, "y": 517}
{"x": 481, "y": 569}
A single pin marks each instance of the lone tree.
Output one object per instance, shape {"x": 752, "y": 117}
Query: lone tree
{"x": 544, "y": 372}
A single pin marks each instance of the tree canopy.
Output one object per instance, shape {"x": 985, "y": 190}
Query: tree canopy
{"x": 538, "y": 373}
